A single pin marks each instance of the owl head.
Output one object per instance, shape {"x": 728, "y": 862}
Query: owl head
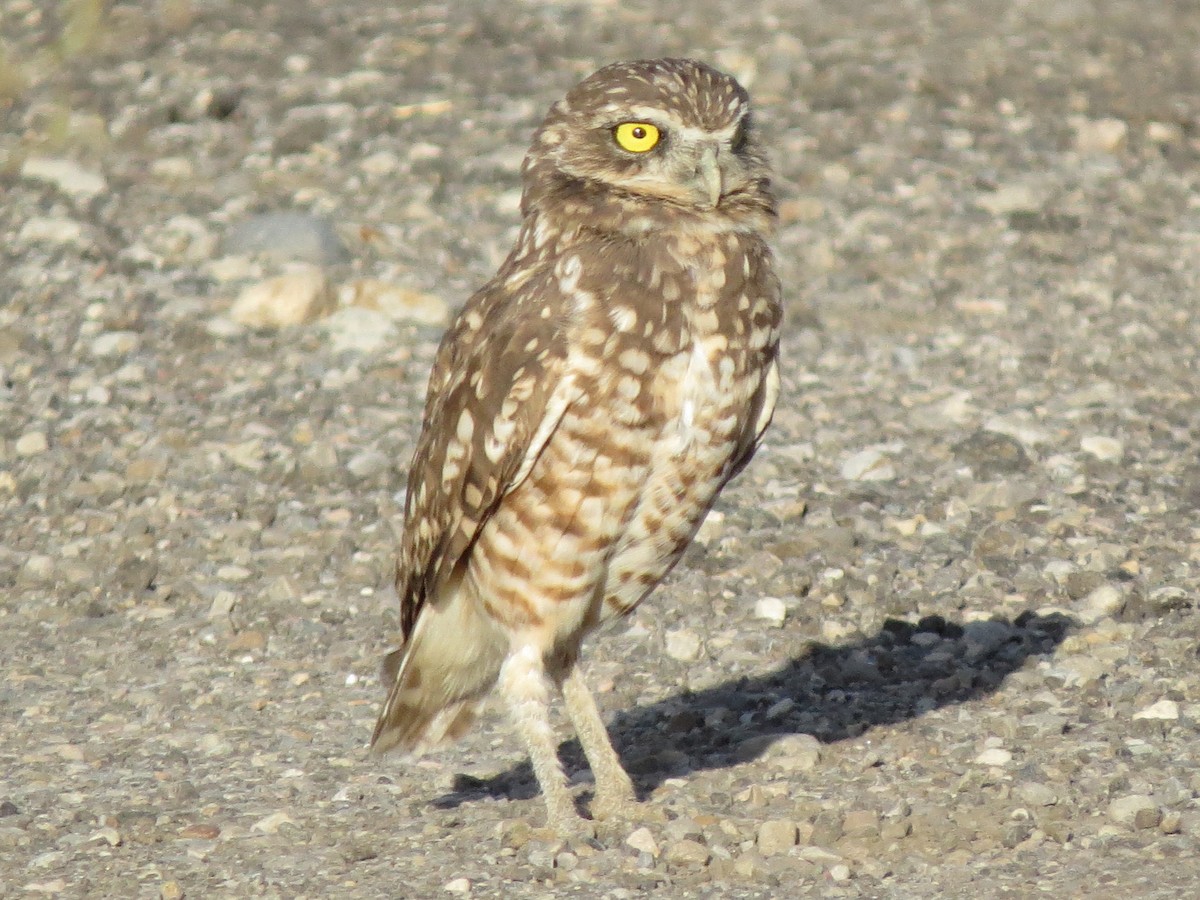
{"x": 669, "y": 134}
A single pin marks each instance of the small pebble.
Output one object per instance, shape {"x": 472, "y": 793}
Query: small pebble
{"x": 272, "y": 823}
{"x": 683, "y": 645}
{"x": 1135, "y": 810}
{"x": 1102, "y": 603}
{"x": 173, "y": 168}
{"x": 870, "y": 464}
{"x": 1011, "y": 198}
{"x": 360, "y": 330}
{"x": 51, "y": 230}
{"x": 861, "y": 823}
{"x": 795, "y": 752}
{"x": 771, "y": 610}
{"x": 1036, "y": 794}
{"x": 115, "y": 343}
{"x": 687, "y": 852}
{"x": 233, "y": 573}
{"x": 222, "y": 604}
{"x": 1106, "y": 449}
{"x": 290, "y": 299}
{"x": 776, "y": 836}
{"x": 994, "y": 756}
{"x": 1099, "y": 135}
{"x": 251, "y": 639}
{"x": 66, "y": 175}
{"x": 643, "y": 841}
{"x": 368, "y": 464}
{"x": 108, "y": 835}
{"x": 1163, "y": 709}
{"x": 457, "y": 886}
{"x": 397, "y": 303}
{"x": 31, "y": 443}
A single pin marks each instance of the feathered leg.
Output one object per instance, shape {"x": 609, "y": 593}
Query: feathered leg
{"x": 614, "y": 796}
{"x": 526, "y": 689}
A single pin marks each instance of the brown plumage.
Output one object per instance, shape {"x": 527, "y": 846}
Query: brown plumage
{"x": 585, "y": 409}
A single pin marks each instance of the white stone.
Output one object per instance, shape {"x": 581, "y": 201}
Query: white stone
{"x": 1124, "y": 810}
{"x": 1106, "y": 449}
{"x": 115, "y": 343}
{"x": 382, "y": 162}
{"x": 1163, "y": 709}
{"x": 225, "y": 269}
{"x": 1105, "y": 601}
{"x": 994, "y": 756}
{"x": 683, "y": 645}
{"x": 233, "y": 573}
{"x": 51, "y": 230}
{"x": 1164, "y": 132}
{"x": 1011, "y": 198}
{"x": 643, "y": 841}
{"x": 711, "y": 528}
{"x": 31, "y": 443}
{"x": 38, "y": 567}
{"x": 832, "y": 630}
{"x": 457, "y": 886}
{"x": 422, "y": 150}
{"x": 776, "y": 836}
{"x": 870, "y": 464}
{"x": 1037, "y": 794}
{"x": 173, "y": 168}
{"x": 1020, "y": 427}
{"x": 368, "y": 463}
{"x": 955, "y": 409}
{"x": 296, "y": 297}
{"x": 183, "y": 239}
{"x": 771, "y": 609}
{"x": 98, "y": 394}
{"x": 360, "y": 330}
{"x": 1099, "y": 135}
{"x": 130, "y": 373}
{"x": 819, "y": 855}
{"x": 66, "y": 175}
{"x": 108, "y": 834}
{"x": 795, "y": 753}
{"x": 272, "y": 823}
{"x": 395, "y": 302}
{"x": 222, "y": 605}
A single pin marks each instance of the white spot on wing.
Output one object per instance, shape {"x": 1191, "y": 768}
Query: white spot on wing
{"x": 697, "y": 386}
{"x": 568, "y": 276}
{"x": 557, "y": 405}
{"x": 466, "y": 427}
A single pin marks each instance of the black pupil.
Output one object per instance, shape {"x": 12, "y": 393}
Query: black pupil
{"x": 639, "y": 133}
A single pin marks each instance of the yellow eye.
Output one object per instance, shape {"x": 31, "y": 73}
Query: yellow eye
{"x": 636, "y": 137}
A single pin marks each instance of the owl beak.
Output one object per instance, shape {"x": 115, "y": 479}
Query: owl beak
{"x": 708, "y": 176}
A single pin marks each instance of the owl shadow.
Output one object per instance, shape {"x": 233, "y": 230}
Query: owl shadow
{"x": 833, "y": 693}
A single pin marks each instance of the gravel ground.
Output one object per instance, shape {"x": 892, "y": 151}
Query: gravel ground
{"x": 939, "y": 640}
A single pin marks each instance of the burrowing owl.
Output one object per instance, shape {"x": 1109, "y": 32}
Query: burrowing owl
{"x": 585, "y": 408}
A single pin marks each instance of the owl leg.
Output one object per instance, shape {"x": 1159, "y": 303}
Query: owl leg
{"x": 526, "y": 689}
{"x": 615, "y": 797}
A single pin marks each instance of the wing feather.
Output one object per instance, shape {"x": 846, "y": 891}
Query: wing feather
{"x": 499, "y": 388}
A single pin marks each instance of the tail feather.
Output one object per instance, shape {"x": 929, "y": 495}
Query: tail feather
{"x": 441, "y": 677}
